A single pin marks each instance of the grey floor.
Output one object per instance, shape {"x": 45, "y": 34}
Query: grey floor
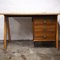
{"x": 25, "y": 50}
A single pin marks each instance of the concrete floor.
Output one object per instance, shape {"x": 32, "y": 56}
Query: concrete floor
{"x": 25, "y": 50}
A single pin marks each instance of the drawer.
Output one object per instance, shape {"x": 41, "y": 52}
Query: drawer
{"x": 42, "y": 34}
{"x": 45, "y": 30}
{"x": 45, "y": 39}
{"x": 44, "y": 26}
{"x": 41, "y": 21}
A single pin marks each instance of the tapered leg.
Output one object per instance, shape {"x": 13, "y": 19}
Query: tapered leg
{"x": 5, "y": 32}
{"x": 8, "y": 30}
{"x": 57, "y": 36}
{"x": 57, "y": 40}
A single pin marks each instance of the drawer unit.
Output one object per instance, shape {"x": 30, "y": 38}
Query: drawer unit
{"x": 44, "y": 28}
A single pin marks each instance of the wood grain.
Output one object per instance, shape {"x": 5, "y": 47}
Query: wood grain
{"x": 5, "y": 32}
{"x": 45, "y": 30}
{"x": 57, "y": 33}
{"x": 8, "y": 29}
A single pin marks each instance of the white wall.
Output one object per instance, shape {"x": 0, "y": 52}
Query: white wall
{"x": 21, "y": 30}
{"x": 1, "y": 27}
{"x": 59, "y": 26}
{"x": 29, "y": 6}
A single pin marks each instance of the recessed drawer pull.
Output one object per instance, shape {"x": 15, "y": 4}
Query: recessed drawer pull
{"x": 44, "y": 36}
{"x": 45, "y": 22}
{"x": 44, "y": 29}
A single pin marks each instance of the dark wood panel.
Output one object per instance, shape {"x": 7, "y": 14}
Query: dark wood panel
{"x": 44, "y": 39}
{"x": 44, "y": 26}
{"x": 44, "y": 21}
{"x": 45, "y": 30}
{"x": 44, "y": 34}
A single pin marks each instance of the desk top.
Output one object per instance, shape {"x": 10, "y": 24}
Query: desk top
{"x": 30, "y": 13}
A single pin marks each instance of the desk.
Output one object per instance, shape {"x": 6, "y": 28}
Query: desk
{"x": 40, "y": 21}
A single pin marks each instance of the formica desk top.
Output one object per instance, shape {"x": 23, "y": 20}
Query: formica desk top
{"x": 30, "y": 13}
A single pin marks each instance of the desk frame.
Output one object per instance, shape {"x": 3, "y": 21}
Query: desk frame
{"x": 7, "y": 27}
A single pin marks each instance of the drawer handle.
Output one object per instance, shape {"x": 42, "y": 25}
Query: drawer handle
{"x": 44, "y": 29}
{"x": 44, "y": 36}
{"x": 45, "y": 22}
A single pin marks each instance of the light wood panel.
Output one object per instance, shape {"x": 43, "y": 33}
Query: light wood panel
{"x": 8, "y": 29}
{"x": 57, "y": 33}
{"x": 5, "y": 32}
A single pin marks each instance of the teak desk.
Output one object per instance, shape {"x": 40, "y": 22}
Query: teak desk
{"x": 45, "y": 27}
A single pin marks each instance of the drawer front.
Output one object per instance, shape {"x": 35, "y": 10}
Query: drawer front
{"x": 44, "y": 39}
{"x": 41, "y": 21}
{"x": 47, "y": 36}
{"x": 42, "y": 34}
{"x": 45, "y": 30}
{"x": 44, "y": 26}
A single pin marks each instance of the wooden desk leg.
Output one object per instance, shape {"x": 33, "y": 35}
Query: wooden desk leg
{"x": 57, "y": 36}
{"x": 8, "y": 29}
{"x": 57, "y": 39}
{"x": 5, "y": 32}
